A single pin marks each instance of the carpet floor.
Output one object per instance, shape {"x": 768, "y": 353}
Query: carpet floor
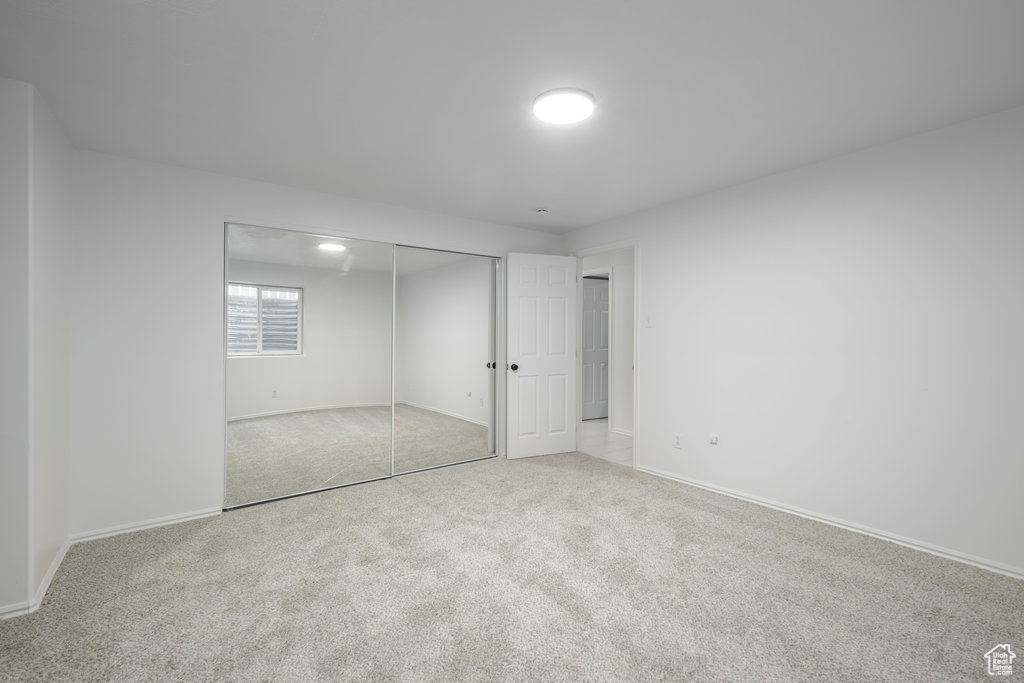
{"x": 562, "y": 567}
{"x": 279, "y": 455}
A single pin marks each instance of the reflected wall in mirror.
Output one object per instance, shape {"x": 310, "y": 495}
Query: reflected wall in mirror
{"x": 309, "y": 362}
{"x": 444, "y": 340}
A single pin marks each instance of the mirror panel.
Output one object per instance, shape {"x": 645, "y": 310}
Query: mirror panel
{"x": 444, "y": 339}
{"x": 309, "y": 336}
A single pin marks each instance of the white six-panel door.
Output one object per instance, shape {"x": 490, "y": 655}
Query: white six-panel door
{"x": 595, "y": 349}
{"x": 541, "y": 332}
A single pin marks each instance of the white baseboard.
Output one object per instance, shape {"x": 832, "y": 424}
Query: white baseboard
{"x": 443, "y": 412}
{"x": 15, "y": 609}
{"x": 623, "y": 432}
{"x": 310, "y": 409}
{"x": 147, "y": 524}
{"x": 29, "y": 606}
{"x": 19, "y": 608}
{"x": 983, "y": 563}
{"x": 44, "y": 585}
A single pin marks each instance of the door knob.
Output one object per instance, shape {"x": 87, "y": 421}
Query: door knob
{"x": 488, "y": 365}
{"x": 514, "y": 367}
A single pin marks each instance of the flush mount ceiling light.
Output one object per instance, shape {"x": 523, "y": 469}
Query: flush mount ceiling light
{"x": 564, "y": 105}
{"x": 331, "y": 246}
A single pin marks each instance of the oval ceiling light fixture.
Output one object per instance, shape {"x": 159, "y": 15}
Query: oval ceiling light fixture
{"x": 331, "y": 246}
{"x": 563, "y": 105}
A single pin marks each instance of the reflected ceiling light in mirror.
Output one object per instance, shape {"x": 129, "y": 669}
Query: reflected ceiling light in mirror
{"x": 563, "y": 106}
{"x": 331, "y": 247}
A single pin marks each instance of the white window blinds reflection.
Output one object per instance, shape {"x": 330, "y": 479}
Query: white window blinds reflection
{"x": 279, "y": 321}
{"x": 264, "y": 320}
{"x": 243, "y": 320}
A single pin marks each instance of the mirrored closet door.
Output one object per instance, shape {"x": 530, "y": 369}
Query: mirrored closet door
{"x": 309, "y": 339}
{"x": 444, "y": 354}
{"x": 315, "y": 326}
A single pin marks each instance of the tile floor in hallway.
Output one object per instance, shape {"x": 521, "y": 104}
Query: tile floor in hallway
{"x": 596, "y": 440}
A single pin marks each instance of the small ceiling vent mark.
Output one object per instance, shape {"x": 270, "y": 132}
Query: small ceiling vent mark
{"x": 540, "y": 210}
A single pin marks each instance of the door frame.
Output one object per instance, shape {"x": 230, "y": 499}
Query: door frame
{"x": 498, "y": 340}
{"x": 594, "y": 251}
{"x": 501, "y": 353}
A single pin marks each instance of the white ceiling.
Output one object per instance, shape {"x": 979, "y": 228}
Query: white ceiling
{"x": 426, "y": 104}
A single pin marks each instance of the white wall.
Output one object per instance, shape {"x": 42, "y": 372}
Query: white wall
{"x": 346, "y": 345}
{"x": 148, "y": 370}
{"x": 443, "y": 339}
{"x": 618, "y": 264}
{"x": 51, "y": 234}
{"x": 853, "y": 332}
{"x": 15, "y": 174}
{"x": 34, "y": 443}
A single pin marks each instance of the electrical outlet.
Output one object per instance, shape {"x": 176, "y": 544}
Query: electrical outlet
{"x": 677, "y": 441}
{"x": 273, "y": 393}
{"x": 481, "y": 402}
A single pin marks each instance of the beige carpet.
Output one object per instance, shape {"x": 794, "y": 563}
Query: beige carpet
{"x": 425, "y": 439}
{"x": 556, "y": 568}
{"x": 279, "y": 455}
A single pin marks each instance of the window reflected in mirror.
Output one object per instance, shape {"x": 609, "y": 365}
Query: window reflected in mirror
{"x": 314, "y": 326}
{"x": 308, "y": 332}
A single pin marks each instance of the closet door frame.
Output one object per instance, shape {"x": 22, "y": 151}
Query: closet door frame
{"x": 497, "y": 427}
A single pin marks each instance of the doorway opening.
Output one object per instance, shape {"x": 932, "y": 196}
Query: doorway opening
{"x": 606, "y": 354}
